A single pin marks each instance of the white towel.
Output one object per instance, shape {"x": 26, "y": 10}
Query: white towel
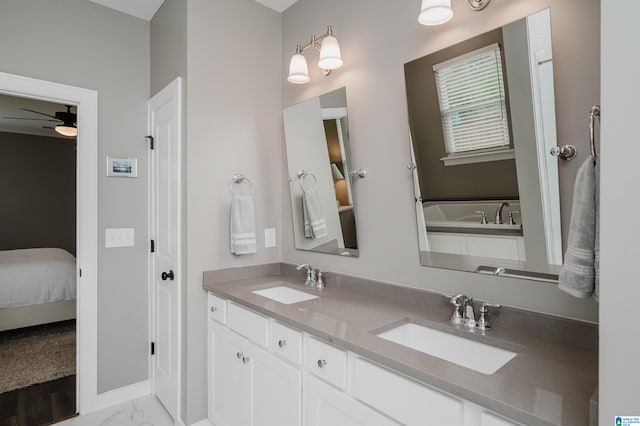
{"x": 313, "y": 218}
{"x": 242, "y": 225}
{"x": 579, "y": 273}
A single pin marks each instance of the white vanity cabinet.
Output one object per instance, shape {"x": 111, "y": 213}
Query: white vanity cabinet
{"x": 256, "y": 371}
{"x": 247, "y": 384}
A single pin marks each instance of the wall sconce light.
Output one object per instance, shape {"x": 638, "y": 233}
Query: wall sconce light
{"x": 330, "y": 58}
{"x": 436, "y": 12}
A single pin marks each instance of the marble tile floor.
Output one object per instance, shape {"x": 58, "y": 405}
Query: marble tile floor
{"x": 146, "y": 411}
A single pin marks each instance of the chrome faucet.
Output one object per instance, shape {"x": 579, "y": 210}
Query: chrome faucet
{"x": 311, "y": 274}
{"x": 467, "y": 315}
{"x": 315, "y": 276}
{"x": 498, "y": 220}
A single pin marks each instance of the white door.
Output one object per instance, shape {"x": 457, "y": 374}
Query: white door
{"x": 165, "y": 268}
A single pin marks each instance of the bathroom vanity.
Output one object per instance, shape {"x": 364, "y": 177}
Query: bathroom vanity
{"x": 283, "y": 353}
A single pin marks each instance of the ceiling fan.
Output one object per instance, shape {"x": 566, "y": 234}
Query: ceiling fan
{"x": 67, "y": 120}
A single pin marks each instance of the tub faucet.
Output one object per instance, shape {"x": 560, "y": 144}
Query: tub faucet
{"x": 498, "y": 220}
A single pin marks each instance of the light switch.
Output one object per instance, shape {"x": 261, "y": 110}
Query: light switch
{"x": 118, "y": 237}
{"x": 270, "y": 237}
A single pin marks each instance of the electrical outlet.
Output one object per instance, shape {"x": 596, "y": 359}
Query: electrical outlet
{"x": 270, "y": 237}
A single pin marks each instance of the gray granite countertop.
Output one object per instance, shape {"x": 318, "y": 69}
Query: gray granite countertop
{"x": 547, "y": 383}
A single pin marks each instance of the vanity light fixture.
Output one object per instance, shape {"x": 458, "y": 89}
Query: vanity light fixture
{"x": 437, "y": 12}
{"x": 330, "y": 58}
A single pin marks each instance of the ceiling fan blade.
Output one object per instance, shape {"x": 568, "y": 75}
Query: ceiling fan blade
{"x": 38, "y": 112}
{"x": 25, "y": 118}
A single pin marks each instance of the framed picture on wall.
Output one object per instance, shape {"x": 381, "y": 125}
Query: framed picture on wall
{"x": 122, "y": 166}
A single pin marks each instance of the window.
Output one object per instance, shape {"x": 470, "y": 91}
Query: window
{"x": 472, "y": 102}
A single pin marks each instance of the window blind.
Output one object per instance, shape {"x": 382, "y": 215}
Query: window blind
{"x": 472, "y": 101}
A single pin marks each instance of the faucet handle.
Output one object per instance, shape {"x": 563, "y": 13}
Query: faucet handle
{"x": 457, "y": 301}
{"x": 483, "y": 321}
{"x": 320, "y": 275}
{"x": 511, "y": 221}
{"x": 483, "y": 219}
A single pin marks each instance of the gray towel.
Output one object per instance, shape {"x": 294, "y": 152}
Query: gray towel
{"x": 579, "y": 273}
{"x": 313, "y": 218}
{"x": 242, "y": 225}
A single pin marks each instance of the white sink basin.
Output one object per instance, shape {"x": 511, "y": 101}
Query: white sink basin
{"x": 468, "y": 353}
{"x": 286, "y": 295}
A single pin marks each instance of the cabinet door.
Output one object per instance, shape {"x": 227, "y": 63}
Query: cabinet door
{"x": 276, "y": 394}
{"x": 328, "y": 406}
{"x": 230, "y": 378}
{"x": 488, "y": 419}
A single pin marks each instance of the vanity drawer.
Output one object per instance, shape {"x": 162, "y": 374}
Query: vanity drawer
{"x": 402, "y": 399}
{"x": 286, "y": 342}
{"x": 326, "y": 361}
{"x": 251, "y": 325}
{"x": 489, "y": 419}
{"x": 217, "y": 308}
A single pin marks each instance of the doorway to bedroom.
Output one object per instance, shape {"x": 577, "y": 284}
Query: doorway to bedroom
{"x": 38, "y": 286}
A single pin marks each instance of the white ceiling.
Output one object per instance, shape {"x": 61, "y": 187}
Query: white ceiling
{"x": 145, "y": 9}
{"x": 10, "y": 107}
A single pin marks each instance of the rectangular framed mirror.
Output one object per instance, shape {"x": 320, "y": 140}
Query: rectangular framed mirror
{"x": 482, "y": 120}
{"x": 319, "y": 166}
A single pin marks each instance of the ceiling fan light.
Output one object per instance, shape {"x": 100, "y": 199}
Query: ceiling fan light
{"x": 67, "y": 130}
{"x": 435, "y": 12}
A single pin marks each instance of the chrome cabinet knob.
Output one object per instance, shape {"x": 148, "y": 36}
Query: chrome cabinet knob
{"x": 214, "y": 309}
{"x": 239, "y": 355}
{"x": 282, "y": 343}
{"x": 245, "y": 359}
{"x": 322, "y": 363}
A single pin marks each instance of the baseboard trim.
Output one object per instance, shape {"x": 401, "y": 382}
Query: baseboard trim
{"x": 205, "y": 422}
{"x": 123, "y": 394}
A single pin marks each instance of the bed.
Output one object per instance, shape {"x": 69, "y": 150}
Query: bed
{"x": 37, "y": 286}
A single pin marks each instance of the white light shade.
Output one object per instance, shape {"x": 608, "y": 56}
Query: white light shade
{"x": 335, "y": 172}
{"x": 298, "y": 71}
{"x": 66, "y": 130}
{"x": 330, "y": 58}
{"x": 435, "y": 12}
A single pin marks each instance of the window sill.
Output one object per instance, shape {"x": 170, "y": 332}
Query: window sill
{"x": 479, "y": 157}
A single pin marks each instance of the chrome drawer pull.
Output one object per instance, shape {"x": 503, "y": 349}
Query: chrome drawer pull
{"x": 282, "y": 343}
{"x": 322, "y": 363}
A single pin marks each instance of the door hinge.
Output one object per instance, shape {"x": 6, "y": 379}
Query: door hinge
{"x": 150, "y": 141}
{"x": 80, "y": 271}
{"x": 153, "y": 246}
{"x": 153, "y": 348}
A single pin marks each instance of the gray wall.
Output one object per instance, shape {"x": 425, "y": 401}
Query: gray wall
{"x": 234, "y": 125}
{"x": 376, "y": 41}
{"x": 108, "y": 52}
{"x": 477, "y": 181}
{"x": 38, "y": 189}
{"x": 619, "y": 230}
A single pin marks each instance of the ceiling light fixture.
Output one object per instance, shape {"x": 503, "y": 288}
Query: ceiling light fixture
{"x": 437, "y": 12}
{"x": 67, "y": 129}
{"x": 330, "y": 57}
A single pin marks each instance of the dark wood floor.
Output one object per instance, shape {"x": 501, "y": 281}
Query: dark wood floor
{"x": 38, "y": 405}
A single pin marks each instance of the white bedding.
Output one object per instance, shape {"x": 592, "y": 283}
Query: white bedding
{"x": 34, "y": 276}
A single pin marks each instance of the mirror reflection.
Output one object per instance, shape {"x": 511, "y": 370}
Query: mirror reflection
{"x": 482, "y": 119}
{"x": 318, "y": 161}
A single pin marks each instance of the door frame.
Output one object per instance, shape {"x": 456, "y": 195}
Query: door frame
{"x": 86, "y": 221}
{"x": 173, "y": 90}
